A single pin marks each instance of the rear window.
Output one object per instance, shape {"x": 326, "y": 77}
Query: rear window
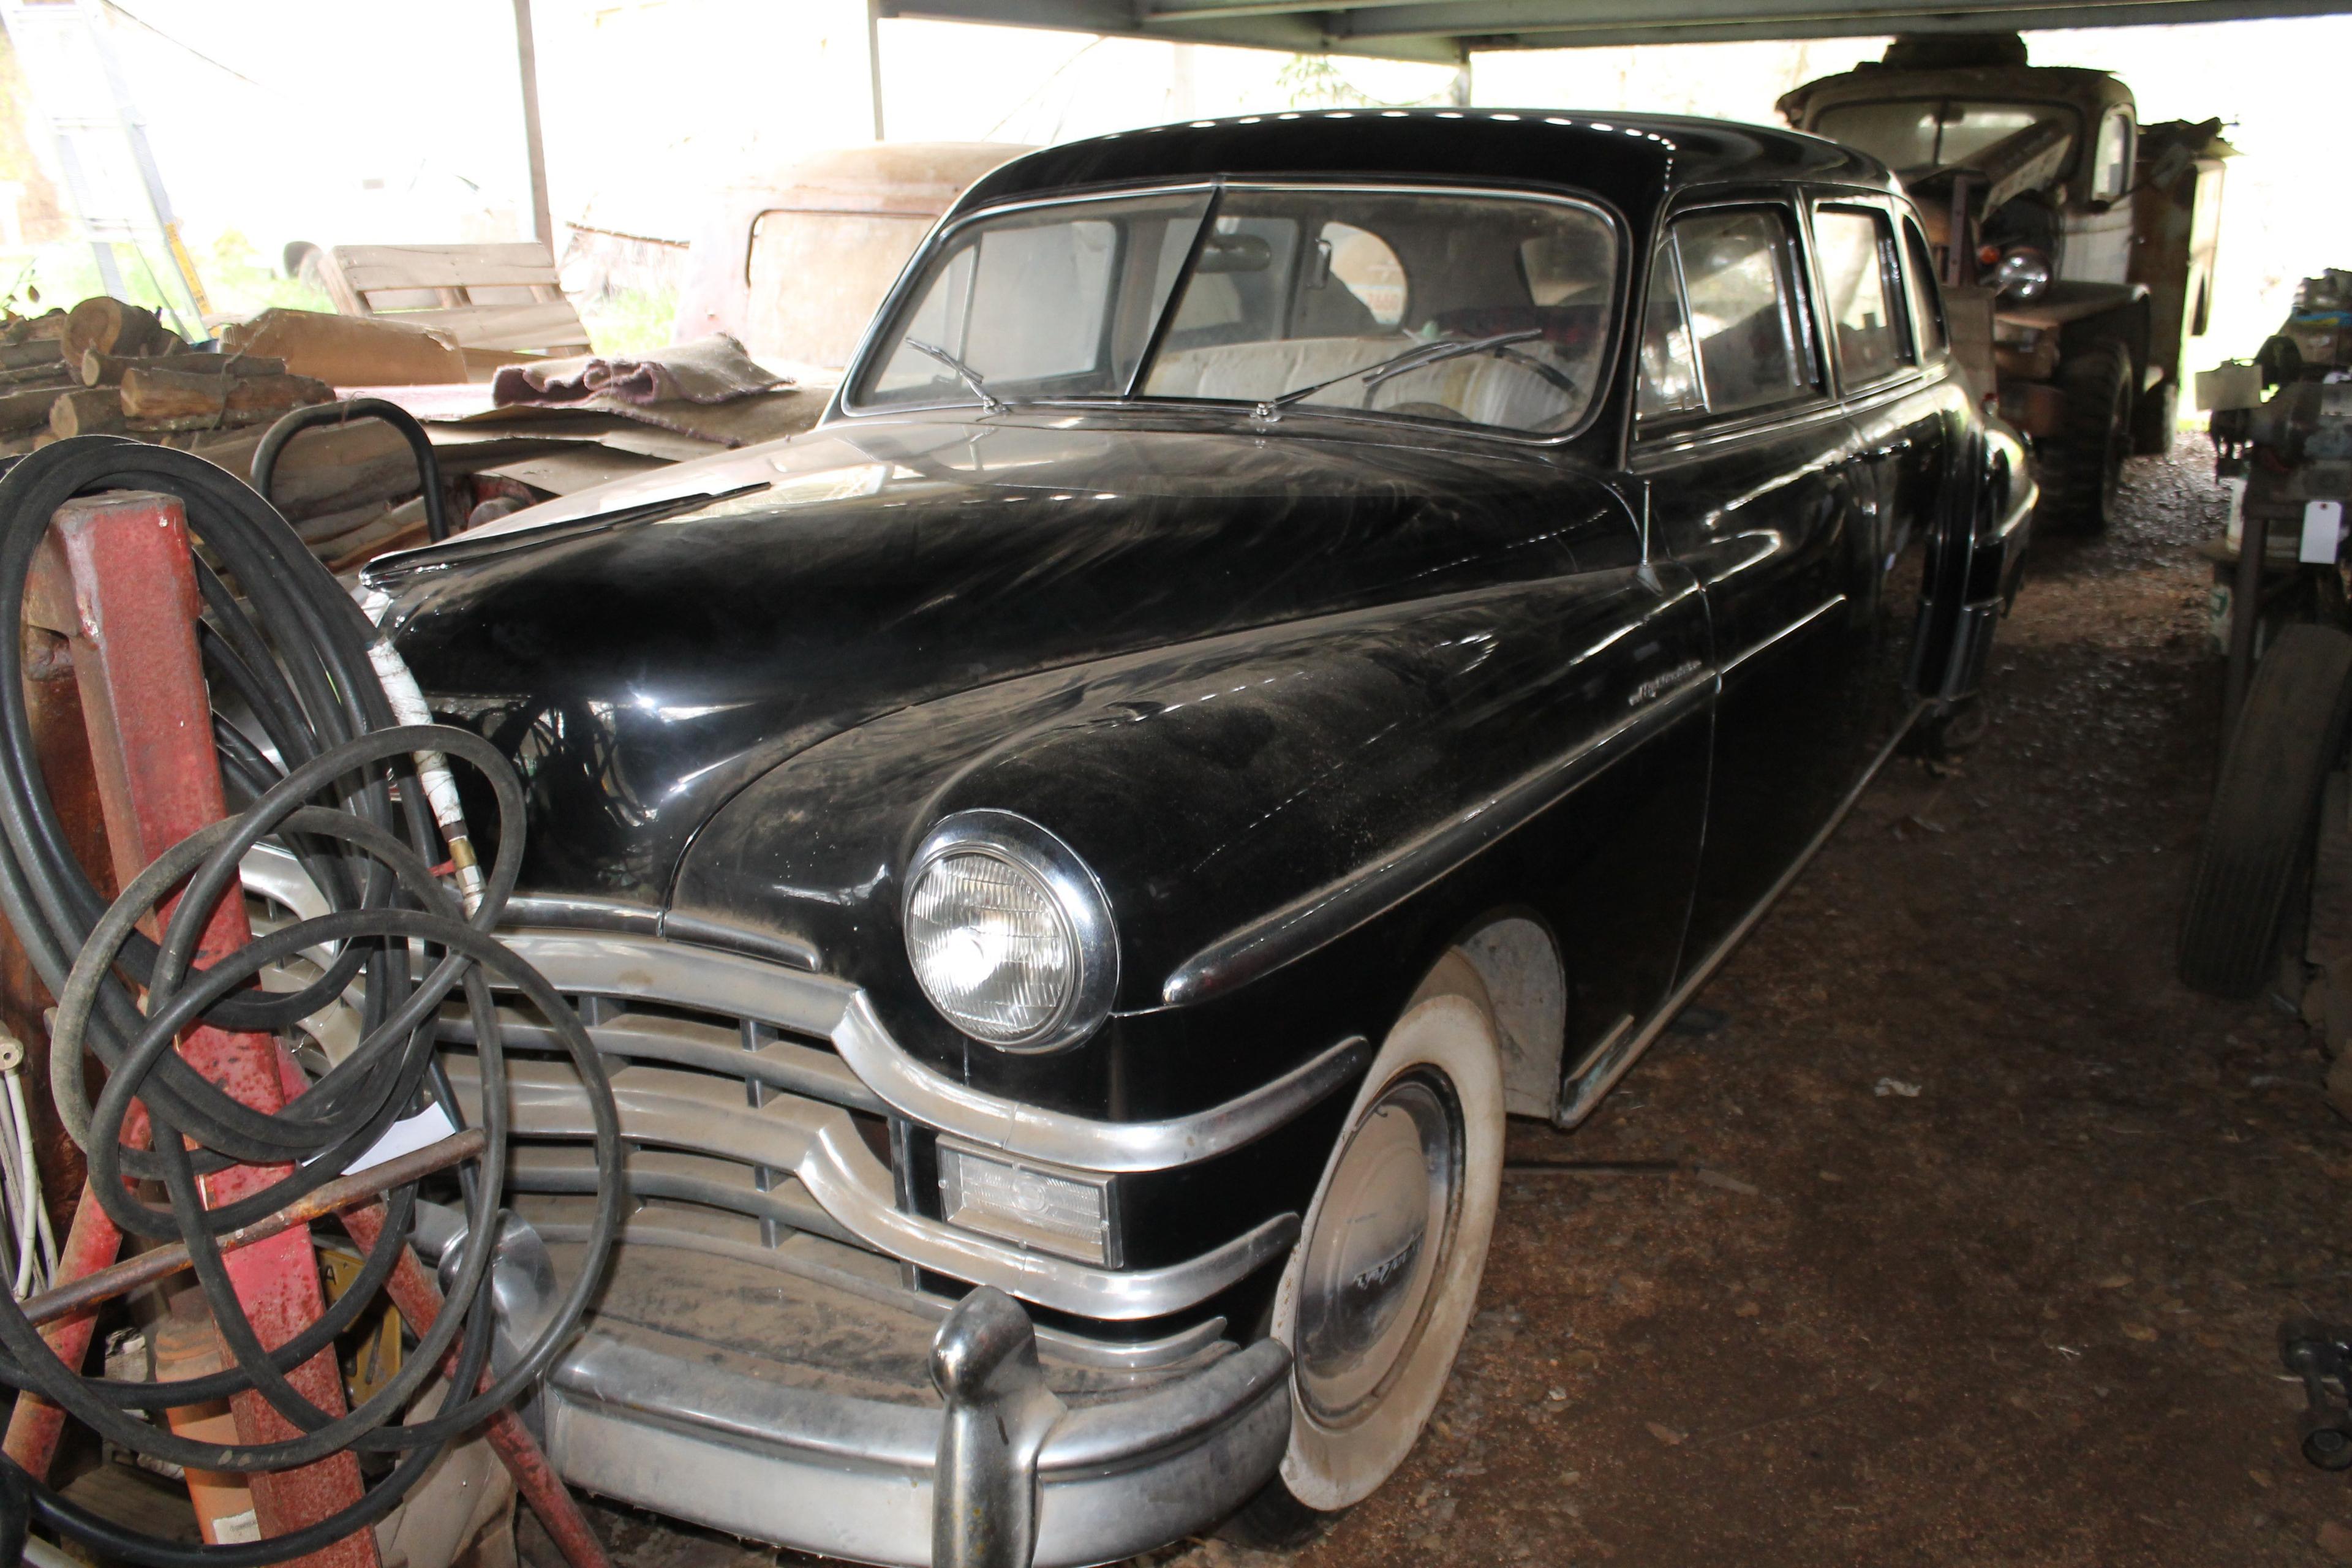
{"x": 1861, "y": 285}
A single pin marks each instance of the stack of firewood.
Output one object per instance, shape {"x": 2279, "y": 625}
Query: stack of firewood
{"x": 106, "y": 367}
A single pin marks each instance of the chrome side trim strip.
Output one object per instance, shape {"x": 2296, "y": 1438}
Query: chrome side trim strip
{"x": 1799, "y": 624}
{"x": 819, "y": 1144}
{"x": 1604, "y": 1068}
{"x": 1331, "y": 911}
{"x": 996, "y": 1122}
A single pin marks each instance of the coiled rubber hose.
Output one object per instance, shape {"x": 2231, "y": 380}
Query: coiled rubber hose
{"x": 286, "y": 652}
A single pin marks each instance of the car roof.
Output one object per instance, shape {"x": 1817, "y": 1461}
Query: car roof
{"x": 1634, "y": 161}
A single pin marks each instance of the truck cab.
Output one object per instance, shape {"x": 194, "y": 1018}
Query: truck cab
{"x": 2088, "y": 236}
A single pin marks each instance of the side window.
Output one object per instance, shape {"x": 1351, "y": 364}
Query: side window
{"x": 2111, "y": 160}
{"x": 1859, "y": 278}
{"x": 1926, "y": 296}
{"x": 1669, "y": 383}
{"x": 1739, "y": 281}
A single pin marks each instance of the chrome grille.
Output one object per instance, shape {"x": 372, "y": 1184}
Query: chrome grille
{"x": 683, "y": 1056}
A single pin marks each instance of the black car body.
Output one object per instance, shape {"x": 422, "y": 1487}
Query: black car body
{"x": 1287, "y": 788}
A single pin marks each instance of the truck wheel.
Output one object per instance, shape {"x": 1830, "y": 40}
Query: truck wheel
{"x": 2084, "y": 466}
{"x": 2259, "y": 836}
{"x": 1380, "y": 1287}
{"x": 2155, "y": 419}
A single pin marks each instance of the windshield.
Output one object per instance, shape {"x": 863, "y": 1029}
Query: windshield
{"x": 1915, "y": 134}
{"x": 1469, "y": 309}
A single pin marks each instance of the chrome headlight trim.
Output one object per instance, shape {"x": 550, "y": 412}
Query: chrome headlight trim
{"x": 2023, "y": 273}
{"x": 1077, "y": 893}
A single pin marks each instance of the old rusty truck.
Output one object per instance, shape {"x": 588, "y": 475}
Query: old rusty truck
{"x": 2088, "y": 239}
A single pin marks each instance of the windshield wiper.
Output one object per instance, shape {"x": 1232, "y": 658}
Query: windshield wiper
{"x": 964, "y": 373}
{"x": 1413, "y": 358}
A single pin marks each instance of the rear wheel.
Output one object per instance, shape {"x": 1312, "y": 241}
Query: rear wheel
{"x": 2155, "y": 419}
{"x": 1380, "y": 1289}
{"x": 2084, "y": 466}
{"x": 2260, "y": 835}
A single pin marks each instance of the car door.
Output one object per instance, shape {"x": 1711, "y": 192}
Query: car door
{"x": 1909, "y": 411}
{"x": 1751, "y": 472}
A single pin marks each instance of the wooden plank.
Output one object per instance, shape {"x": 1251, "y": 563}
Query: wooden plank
{"x": 370, "y": 267}
{"x": 503, "y": 326}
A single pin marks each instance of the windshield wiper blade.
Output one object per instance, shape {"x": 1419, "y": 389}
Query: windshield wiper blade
{"x": 1413, "y": 358}
{"x": 964, "y": 373}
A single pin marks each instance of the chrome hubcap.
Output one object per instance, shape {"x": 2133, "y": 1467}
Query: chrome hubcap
{"x": 1379, "y": 1242}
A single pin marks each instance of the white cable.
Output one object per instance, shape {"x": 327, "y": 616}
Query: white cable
{"x": 37, "y": 1210}
{"x": 11, "y": 1173}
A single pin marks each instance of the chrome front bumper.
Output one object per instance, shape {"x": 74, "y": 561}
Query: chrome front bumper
{"x": 861, "y": 1478}
{"x": 841, "y": 1424}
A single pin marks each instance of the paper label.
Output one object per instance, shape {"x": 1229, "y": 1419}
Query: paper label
{"x": 236, "y": 1529}
{"x": 2323, "y": 532}
{"x": 406, "y": 1136}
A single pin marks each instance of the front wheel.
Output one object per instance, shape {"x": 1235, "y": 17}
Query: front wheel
{"x": 2084, "y": 468}
{"x": 1382, "y": 1288}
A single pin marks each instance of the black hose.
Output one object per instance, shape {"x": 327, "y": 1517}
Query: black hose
{"x": 428, "y": 467}
{"x": 329, "y": 778}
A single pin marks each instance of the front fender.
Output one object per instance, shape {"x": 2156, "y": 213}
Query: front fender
{"x": 1333, "y": 768}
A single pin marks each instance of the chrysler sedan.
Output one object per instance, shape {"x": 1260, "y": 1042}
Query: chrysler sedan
{"x": 1299, "y": 637}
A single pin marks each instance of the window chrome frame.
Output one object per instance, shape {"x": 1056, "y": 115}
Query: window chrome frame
{"x": 1801, "y": 315}
{"x": 847, "y": 404}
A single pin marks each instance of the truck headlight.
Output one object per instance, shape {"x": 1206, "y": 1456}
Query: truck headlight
{"x": 2022, "y": 273}
{"x": 1009, "y": 933}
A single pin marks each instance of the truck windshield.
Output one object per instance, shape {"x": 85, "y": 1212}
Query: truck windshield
{"x": 1470, "y": 308}
{"x": 1914, "y": 135}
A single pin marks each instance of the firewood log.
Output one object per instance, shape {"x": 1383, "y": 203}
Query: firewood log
{"x": 89, "y": 411}
{"x": 106, "y": 369}
{"x": 157, "y": 398}
{"x": 113, "y": 326}
{"x": 22, "y": 412}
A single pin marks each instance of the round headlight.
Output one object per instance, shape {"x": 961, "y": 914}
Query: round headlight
{"x": 1009, "y": 934}
{"x": 2022, "y": 273}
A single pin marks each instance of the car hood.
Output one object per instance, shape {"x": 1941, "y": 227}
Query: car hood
{"x": 645, "y": 649}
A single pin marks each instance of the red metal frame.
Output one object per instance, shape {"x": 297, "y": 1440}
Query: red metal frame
{"x": 115, "y": 578}
{"x": 123, "y": 560}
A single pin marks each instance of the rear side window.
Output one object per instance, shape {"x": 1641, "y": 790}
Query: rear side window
{"x": 1927, "y": 298}
{"x": 1739, "y": 288}
{"x": 1861, "y": 284}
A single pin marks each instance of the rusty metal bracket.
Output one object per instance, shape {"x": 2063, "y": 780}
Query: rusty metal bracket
{"x": 984, "y": 1490}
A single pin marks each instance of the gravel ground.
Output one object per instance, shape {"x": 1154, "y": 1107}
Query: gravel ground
{"x": 1977, "y": 1228}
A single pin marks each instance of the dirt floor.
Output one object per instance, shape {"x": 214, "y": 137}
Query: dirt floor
{"x": 1977, "y": 1227}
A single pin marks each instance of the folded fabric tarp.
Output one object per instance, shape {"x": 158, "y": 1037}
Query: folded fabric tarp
{"x": 709, "y": 370}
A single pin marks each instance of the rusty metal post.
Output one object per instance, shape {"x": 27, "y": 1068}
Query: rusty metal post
{"x": 123, "y": 564}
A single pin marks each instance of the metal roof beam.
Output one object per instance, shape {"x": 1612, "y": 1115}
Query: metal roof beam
{"x": 1444, "y": 31}
{"x": 1611, "y": 21}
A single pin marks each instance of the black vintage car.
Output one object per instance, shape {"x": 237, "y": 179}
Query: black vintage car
{"x": 1300, "y": 637}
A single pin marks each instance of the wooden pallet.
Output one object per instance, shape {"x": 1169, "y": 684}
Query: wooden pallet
{"x": 498, "y": 298}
